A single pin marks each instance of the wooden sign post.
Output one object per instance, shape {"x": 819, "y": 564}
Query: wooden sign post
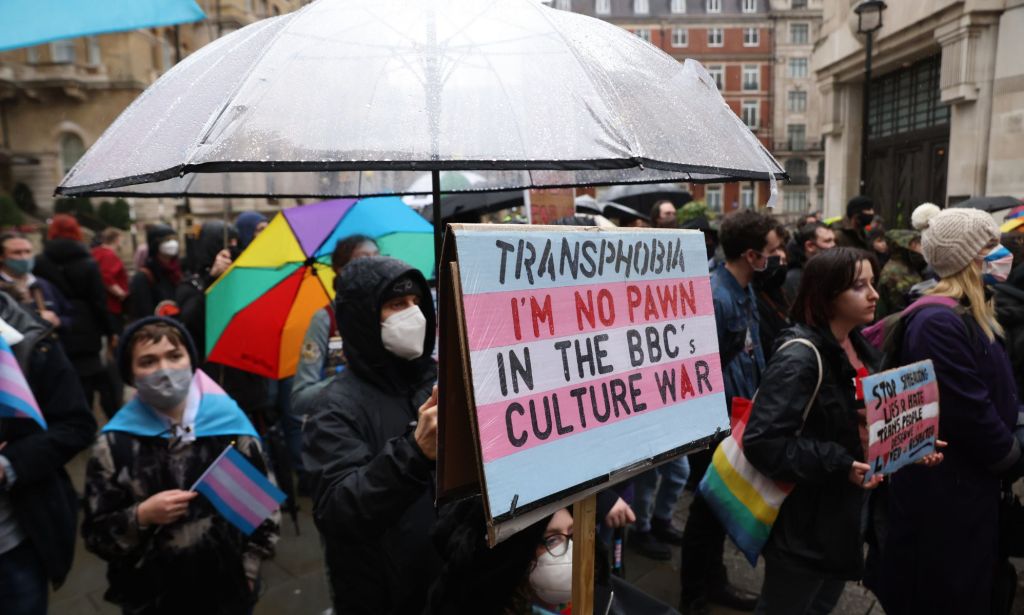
{"x": 572, "y": 359}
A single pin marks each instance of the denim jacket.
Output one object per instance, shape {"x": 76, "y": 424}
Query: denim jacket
{"x": 739, "y": 337}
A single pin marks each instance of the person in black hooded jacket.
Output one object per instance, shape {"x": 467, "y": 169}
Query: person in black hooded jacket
{"x": 157, "y": 281}
{"x": 371, "y": 444}
{"x": 68, "y": 265}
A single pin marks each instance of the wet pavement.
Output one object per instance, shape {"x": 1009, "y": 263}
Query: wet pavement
{"x": 294, "y": 581}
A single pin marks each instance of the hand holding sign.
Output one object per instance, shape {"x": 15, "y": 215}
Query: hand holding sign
{"x": 902, "y": 417}
{"x": 426, "y": 427}
{"x": 858, "y": 474}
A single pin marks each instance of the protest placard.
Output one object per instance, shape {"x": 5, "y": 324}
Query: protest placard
{"x": 902, "y": 416}
{"x": 572, "y": 358}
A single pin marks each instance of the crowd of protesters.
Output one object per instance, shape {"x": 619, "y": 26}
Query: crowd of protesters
{"x": 802, "y": 311}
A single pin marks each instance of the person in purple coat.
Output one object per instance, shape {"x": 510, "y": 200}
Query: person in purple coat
{"x": 941, "y": 551}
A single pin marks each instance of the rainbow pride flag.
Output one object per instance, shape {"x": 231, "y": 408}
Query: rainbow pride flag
{"x": 744, "y": 500}
{"x": 16, "y": 398}
{"x": 239, "y": 491}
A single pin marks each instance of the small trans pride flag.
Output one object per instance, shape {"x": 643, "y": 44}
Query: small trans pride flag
{"x": 239, "y": 491}
{"x": 16, "y": 398}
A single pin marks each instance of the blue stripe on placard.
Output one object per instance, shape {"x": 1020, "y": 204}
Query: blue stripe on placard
{"x": 480, "y": 258}
{"x": 224, "y": 508}
{"x": 544, "y": 470}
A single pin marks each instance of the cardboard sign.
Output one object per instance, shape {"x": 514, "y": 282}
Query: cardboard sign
{"x": 902, "y": 415}
{"x": 585, "y": 357}
{"x": 550, "y": 204}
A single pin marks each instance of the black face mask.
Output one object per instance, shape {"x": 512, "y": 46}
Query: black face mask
{"x": 864, "y": 220}
{"x": 773, "y": 276}
{"x": 916, "y": 262}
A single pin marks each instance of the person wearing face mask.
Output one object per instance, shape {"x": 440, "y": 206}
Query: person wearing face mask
{"x": 37, "y": 295}
{"x": 167, "y": 550}
{"x": 748, "y": 240}
{"x": 370, "y": 446}
{"x": 156, "y": 282}
{"x": 944, "y": 521}
{"x": 860, "y": 213}
{"x": 1009, "y": 296}
{"x": 901, "y": 272}
{"x": 772, "y": 304}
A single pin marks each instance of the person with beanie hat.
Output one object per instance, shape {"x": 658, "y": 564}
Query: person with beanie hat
{"x": 371, "y": 446}
{"x": 941, "y": 551}
{"x": 168, "y": 550}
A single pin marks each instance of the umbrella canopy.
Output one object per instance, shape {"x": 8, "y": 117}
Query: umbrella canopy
{"x": 360, "y": 97}
{"x": 258, "y": 311}
{"x": 643, "y": 197}
{"x": 990, "y": 203}
{"x": 1013, "y": 220}
{"x": 31, "y": 22}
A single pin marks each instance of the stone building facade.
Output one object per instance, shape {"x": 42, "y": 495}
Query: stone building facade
{"x": 946, "y": 103}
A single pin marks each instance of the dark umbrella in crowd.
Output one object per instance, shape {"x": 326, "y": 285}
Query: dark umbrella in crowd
{"x": 990, "y": 203}
{"x": 359, "y": 98}
{"x": 643, "y": 197}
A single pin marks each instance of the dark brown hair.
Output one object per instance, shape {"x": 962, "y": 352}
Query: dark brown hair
{"x": 744, "y": 230}
{"x": 343, "y": 250}
{"x": 825, "y": 277}
{"x": 153, "y": 333}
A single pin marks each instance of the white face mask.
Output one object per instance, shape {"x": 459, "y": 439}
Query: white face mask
{"x": 403, "y": 333}
{"x": 551, "y": 578}
{"x": 169, "y": 248}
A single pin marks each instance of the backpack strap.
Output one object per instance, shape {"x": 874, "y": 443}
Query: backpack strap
{"x": 821, "y": 374}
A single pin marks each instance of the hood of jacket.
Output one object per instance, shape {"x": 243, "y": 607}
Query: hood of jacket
{"x": 26, "y": 324}
{"x": 208, "y": 244}
{"x": 357, "y": 306}
{"x": 63, "y": 251}
{"x": 246, "y": 224}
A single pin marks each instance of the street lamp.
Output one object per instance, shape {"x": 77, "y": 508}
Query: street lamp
{"x": 869, "y": 21}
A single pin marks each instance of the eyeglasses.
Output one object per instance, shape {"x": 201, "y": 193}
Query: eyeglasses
{"x": 557, "y": 544}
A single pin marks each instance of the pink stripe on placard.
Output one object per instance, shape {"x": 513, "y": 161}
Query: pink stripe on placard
{"x": 929, "y": 395}
{"x": 493, "y": 321}
{"x": 250, "y": 487}
{"x": 225, "y": 493}
{"x": 495, "y": 420}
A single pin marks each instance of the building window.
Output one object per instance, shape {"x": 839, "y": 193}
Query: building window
{"x": 797, "y": 136}
{"x": 643, "y": 34}
{"x": 751, "y": 37}
{"x": 71, "y": 149}
{"x": 603, "y": 7}
{"x": 750, "y": 113}
{"x": 63, "y": 51}
{"x": 717, "y": 73}
{"x": 32, "y": 55}
{"x": 747, "y": 197}
{"x": 641, "y": 7}
{"x": 797, "y": 101}
{"x": 907, "y": 100}
{"x": 798, "y": 4}
{"x": 798, "y": 33}
{"x": 749, "y": 6}
{"x": 678, "y": 6}
{"x": 796, "y": 168}
{"x": 713, "y": 198}
{"x": 798, "y": 67}
{"x": 563, "y": 5}
{"x": 714, "y": 6}
{"x": 751, "y": 77}
{"x": 716, "y": 37}
{"x": 679, "y": 37}
{"x": 92, "y": 50}
{"x": 166, "y": 54}
{"x": 794, "y": 201}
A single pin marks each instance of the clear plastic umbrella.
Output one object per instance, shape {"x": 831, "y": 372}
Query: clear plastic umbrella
{"x": 360, "y": 97}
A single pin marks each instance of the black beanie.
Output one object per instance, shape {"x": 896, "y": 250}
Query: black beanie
{"x": 124, "y": 348}
{"x": 402, "y": 286}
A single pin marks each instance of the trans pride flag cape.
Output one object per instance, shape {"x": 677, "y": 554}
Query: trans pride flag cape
{"x": 16, "y": 398}
{"x": 218, "y": 414}
{"x": 744, "y": 500}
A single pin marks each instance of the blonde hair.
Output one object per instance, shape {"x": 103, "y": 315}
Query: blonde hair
{"x": 967, "y": 283}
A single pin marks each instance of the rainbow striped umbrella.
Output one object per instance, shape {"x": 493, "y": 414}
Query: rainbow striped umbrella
{"x": 258, "y": 311}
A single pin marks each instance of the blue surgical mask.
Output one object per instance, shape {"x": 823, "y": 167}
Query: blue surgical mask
{"x": 20, "y": 266}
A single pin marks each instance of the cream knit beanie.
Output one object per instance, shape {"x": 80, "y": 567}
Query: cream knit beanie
{"x": 952, "y": 238}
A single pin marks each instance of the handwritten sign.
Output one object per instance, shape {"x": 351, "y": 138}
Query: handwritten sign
{"x": 590, "y": 352}
{"x": 902, "y": 415}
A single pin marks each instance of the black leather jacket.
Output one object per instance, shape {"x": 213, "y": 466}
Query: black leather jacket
{"x": 818, "y": 527}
